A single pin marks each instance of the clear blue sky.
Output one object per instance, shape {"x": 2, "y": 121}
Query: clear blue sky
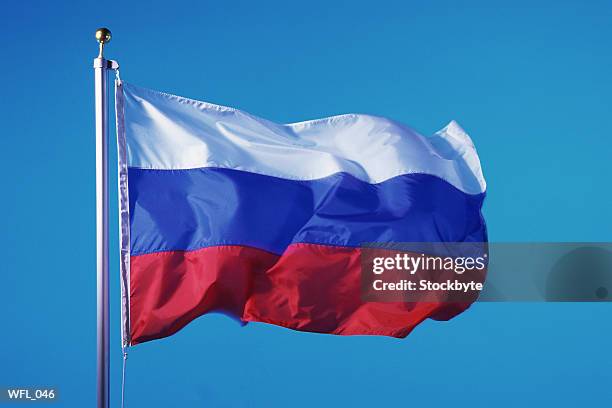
{"x": 530, "y": 81}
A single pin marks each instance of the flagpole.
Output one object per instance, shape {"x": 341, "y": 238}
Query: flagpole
{"x": 101, "y": 67}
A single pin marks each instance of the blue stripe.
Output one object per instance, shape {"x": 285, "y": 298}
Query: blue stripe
{"x": 197, "y": 208}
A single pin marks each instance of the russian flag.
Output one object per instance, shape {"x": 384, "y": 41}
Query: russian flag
{"x": 223, "y": 211}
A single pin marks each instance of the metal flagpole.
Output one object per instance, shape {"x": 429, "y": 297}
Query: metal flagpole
{"x": 101, "y": 67}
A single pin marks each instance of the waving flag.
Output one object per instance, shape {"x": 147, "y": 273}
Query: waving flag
{"x": 225, "y": 211}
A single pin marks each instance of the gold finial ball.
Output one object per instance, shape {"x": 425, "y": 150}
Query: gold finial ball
{"x": 103, "y": 35}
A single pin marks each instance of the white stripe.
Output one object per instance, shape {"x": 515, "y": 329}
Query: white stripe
{"x": 169, "y": 132}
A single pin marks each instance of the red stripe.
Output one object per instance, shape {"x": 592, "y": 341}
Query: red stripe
{"x": 311, "y": 288}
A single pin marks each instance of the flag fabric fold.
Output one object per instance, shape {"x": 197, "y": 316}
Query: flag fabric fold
{"x": 223, "y": 211}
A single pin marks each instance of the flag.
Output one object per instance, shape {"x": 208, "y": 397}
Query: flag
{"x": 223, "y": 211}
